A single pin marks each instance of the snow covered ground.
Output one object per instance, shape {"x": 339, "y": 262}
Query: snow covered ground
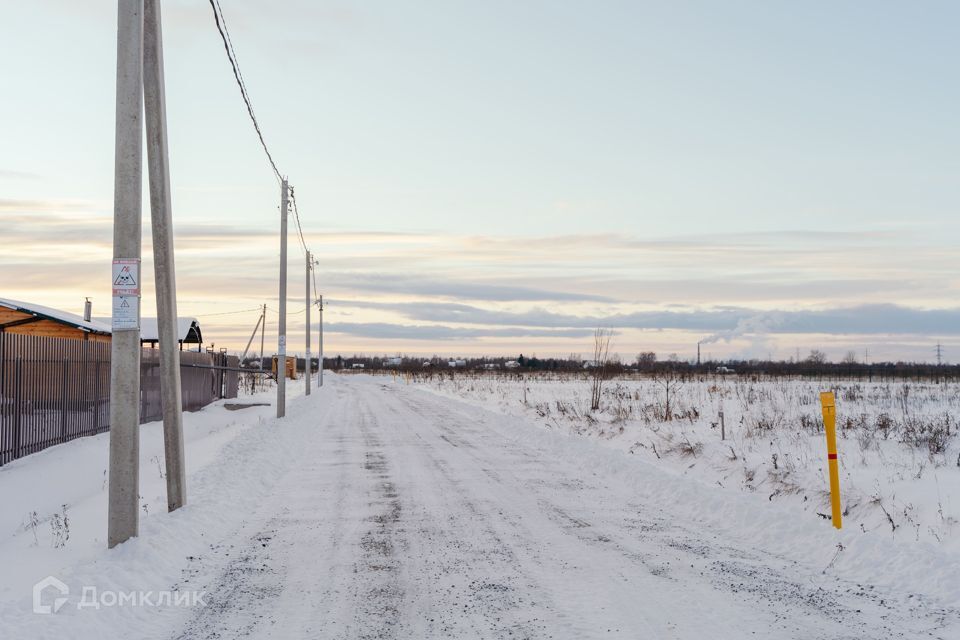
{"x": 378, "y": 509}
{"x": 898, "y": 442}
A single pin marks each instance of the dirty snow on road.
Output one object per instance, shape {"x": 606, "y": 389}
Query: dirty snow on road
{"x": 376, "y": 510}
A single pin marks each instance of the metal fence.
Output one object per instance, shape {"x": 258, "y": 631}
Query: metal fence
{"x": 55, "y": 389}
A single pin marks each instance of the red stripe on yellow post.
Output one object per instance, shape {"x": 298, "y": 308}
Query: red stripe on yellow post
{"x": 828, "y": 403}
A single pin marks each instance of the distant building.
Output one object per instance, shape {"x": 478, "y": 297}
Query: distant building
{"x": 188, "y": 332}
{"x": 393, "y": 362}
{"x": 511, "y": 364}
{"x": 290, "y": 370}
{"x": 358, "y": 365}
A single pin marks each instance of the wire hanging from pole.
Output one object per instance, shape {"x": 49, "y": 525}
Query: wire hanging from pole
{"x": 226, "y": 313}
{"x": 238, "y": 76}
{"x": 296, "y": 217}
{"x": 231, "y": 55}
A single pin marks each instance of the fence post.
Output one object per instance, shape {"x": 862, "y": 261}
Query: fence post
{"x": 83, "y": 401}
{"x": 17, "y": 406}
{"x": 63, "y": 400}
{"x": 3, "y": 388}
{"x": 96, "y": 396}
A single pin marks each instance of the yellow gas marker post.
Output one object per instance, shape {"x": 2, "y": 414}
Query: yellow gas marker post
{"x": 830, "y": 426}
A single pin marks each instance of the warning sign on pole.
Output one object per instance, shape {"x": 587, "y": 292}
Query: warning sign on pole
{"x": 126, "y": 294}
{"x": 126, "y": 277}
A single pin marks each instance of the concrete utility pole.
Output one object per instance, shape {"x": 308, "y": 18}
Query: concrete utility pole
{"x": 123, "y": 501}
{"x": 306, "y": 366}
{"x": 321, "y": 340}
{"x": 282, "y": 329}
{"x": 155, "y": 110}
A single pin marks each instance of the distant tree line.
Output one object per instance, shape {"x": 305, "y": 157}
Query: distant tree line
{"x": 814, "y": 366}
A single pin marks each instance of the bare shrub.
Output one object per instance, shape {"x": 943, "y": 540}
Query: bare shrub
{"x": 60, "y": 529}
{"x": 688, "y": 449}
{"x": 670, "y": 381}
{"x": 810, "y": 423}
{"x": 763, "y": 423}
{"x": 851, "y": 393}
{"x": 622, "y": 410}
{"x": 866, "y": 439}
{"x": 601, "y": 357}
{"x": 926, "y": 433}
{"x": 884, "y": 423}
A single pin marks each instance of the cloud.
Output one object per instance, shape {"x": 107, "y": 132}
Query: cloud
{"x": 731, "y": 289}
{"x": 453, "y": 288}
{"x": 442, "y": 333}
{"x": 725, "y": 323}
{"x": 44, "y": 206}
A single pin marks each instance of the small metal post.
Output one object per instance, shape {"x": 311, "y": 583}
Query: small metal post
{"x": 828, "y": 404}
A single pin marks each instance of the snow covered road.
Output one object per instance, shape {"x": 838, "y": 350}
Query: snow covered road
{"x": 383, "y": 511}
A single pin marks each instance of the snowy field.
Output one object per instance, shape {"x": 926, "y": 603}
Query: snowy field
{"x": 899, "y": 452}
{"x": 494, "y": 509}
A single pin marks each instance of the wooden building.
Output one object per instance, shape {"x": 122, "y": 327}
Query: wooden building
{"x": 26, "y": 318}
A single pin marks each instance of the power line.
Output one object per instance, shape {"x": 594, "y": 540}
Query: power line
{"x": 228, "y": 47}
{"x": 238, "y": 76}
{"x": 227, "y": 313}
{"x": 296, "y": 216}
{"x": 289, "y": 313}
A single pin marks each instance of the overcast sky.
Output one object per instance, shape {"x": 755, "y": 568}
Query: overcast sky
{"x": 496, "y": 177}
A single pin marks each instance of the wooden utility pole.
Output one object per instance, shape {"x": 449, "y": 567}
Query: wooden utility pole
{"x": 252, "y": 336}
{"x": 124, "y": 477}
{"x": 306, "y": 366}
{"x": 282, "y": 329}
{"x": 161, "y": 216}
